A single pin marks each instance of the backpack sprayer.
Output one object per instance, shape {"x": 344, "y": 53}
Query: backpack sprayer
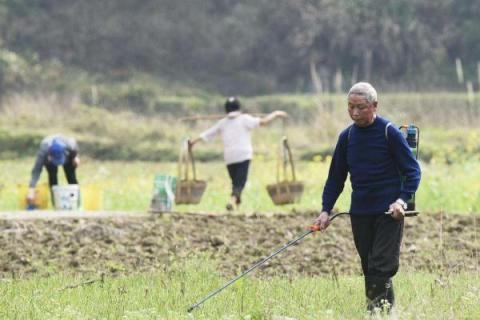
{"x": 412, "y": 134}
{"x": 310, "y": 229}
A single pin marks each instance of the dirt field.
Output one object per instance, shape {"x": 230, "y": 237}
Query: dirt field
{"x": 116, "y": 243}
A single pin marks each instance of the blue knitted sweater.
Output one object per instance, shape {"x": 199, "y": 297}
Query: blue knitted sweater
{"x": 376, "y": 157}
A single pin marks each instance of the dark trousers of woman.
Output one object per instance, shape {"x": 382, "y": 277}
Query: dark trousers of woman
{"x": 378, "y": 239}
{"x": 69, "y": 170}
{"x": 238, "y": 173}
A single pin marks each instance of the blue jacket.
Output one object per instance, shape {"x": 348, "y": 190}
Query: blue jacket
{"x": 376, "y": 157}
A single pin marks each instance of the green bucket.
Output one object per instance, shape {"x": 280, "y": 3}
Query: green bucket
{"x": 163, "y": 198}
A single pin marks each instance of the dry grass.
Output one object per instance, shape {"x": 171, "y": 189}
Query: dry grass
{"x": 448, "y": 122}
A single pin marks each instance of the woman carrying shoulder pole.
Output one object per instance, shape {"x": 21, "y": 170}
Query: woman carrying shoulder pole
{"x": 235, "y": 129}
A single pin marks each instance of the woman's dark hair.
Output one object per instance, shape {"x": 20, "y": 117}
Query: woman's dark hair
{"x": 232, "y": 104}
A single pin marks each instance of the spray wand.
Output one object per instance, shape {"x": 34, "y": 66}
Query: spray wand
{"x": 311, "y": 229}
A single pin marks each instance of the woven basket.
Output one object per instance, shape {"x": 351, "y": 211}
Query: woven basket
{"x": 287, "y": 191}
{"x": 188, "y": 191}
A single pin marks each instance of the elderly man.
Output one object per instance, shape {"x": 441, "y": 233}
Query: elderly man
{"x": 55, "y": 150}
{"x": 384, "y": 176}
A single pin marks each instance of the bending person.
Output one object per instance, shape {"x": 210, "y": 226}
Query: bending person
{"x": 55, "y": 150}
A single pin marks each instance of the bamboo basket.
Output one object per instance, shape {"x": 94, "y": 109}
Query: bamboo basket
{"x": 188, "y": 191}
{"x": 287, "y": 191}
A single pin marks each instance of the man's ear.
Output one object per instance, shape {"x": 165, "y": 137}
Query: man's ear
{"x": 375, "y": 105}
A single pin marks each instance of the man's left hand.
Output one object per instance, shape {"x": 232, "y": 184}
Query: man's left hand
{"x": 322, "y": 220}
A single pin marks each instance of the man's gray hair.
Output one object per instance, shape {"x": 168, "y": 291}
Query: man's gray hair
{"x": 365, "y": 90}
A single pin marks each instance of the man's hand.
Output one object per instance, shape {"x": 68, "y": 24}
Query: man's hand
{"x": 396, "y": 211}
{"x": 31, "y": 196}
{"x": 76, "y": 162}
{"x": 322, "y": 220}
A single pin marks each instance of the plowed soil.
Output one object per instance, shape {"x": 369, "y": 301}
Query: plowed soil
{"x": 123, "y": 244}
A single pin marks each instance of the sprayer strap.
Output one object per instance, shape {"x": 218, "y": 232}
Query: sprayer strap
{"x": 386, "y": 130}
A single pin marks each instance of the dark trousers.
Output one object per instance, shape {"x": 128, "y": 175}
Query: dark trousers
{"x": 238, "y": 173}
{"x": 69, "y": 170}
{"x": 378, "y": 239}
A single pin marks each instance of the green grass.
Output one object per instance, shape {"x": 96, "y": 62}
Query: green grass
{"x": 168, "y": 293}
{"x": 129, "y": 185}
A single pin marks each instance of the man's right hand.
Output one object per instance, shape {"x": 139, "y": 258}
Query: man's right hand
{"x": 323, "y": 220}
{"x": 31, "y": 196}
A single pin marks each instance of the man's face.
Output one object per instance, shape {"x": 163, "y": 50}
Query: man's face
{"x": 361, "y": 111}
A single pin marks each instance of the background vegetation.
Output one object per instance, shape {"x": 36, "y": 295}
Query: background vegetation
{"x": 448, "y": 123}
{"x": 115, "y": 74}
{"x": 251, "y": 47}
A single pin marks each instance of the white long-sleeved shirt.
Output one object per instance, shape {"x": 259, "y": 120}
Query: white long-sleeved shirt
{"x": 235, "y": 129}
